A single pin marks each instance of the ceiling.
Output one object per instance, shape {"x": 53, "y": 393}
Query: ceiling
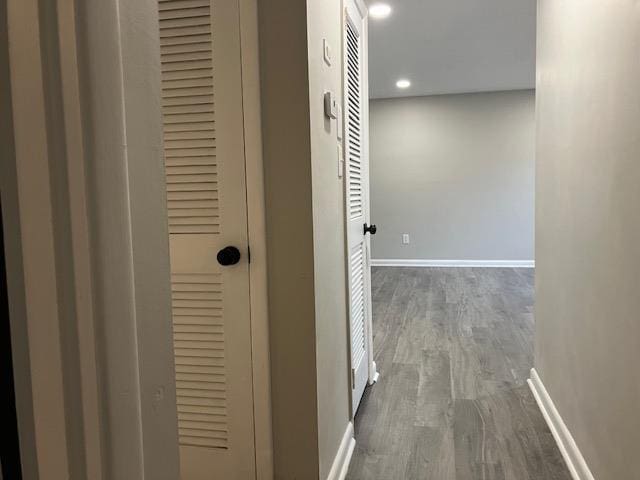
{"x": 452, "y": 46}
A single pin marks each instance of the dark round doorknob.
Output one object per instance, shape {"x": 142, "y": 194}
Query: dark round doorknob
{"x": 228, "y": 256}
{"x": 372, "y": 229}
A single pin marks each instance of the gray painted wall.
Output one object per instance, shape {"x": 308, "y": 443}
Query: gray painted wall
{"x": 588, "y": 226}
{"x": 289, "y": 220}
{"x": 332, "y": 361}
{"x": 455, "y": 172}
{"x": 305, "y": 236}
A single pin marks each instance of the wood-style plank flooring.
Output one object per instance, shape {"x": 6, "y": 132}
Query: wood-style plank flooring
{"x": 454, "y": 347}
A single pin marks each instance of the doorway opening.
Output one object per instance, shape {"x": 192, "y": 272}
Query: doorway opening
{"x": 451, "y": 168}
{"x": 9, "y": 447}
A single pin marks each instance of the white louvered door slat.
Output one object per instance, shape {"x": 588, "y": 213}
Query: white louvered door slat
{"x": 206, "y": 208}
{"x": 356, "y": 195}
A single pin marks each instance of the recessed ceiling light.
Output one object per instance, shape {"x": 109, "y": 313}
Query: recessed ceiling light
{"x": 379, "y": 10}
{"x": 403, "y": 83}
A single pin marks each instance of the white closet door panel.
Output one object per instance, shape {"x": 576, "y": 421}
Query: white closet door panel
{"x": 206, "y": 200}
{"x": 356, "y": 195}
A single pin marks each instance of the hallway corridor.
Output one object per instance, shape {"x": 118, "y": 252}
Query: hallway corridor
{"x": 454, "y": 348}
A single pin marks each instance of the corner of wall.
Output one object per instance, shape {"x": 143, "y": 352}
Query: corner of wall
{"x": 289, "y": 225}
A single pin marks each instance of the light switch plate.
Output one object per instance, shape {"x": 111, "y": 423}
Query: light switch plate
{"x": 330, "y": 105}
{"x": 405, "y": 239}
{"x": 326, "y": 51}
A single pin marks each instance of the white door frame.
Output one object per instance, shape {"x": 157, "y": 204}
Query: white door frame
{"x": 362, "y": 11}
{"x": 44, "y": 210}
{"x": 257, "y": 239}
{"x": 107, "y": 127}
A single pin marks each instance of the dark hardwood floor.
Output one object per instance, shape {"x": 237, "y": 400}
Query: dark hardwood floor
{"x": 454, "y": 347}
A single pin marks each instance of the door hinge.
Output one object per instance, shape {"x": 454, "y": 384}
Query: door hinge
{"x": 353, "y": 378}
{"x": 248, "y": 254}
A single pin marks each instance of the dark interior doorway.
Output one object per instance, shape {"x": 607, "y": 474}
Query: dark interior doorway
{"x": 9, "y": 443}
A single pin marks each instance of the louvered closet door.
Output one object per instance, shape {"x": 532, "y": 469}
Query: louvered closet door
{"x": 357, "y": 204}
{"x": 204, "y": 154}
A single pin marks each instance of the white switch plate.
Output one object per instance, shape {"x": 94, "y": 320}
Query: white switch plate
{"x": 405, "y": 239}
{"x": 326, "y": 51}
{"x": 330, "y": 105}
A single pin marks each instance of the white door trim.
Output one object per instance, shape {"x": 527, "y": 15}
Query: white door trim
{"x": 257, "y": 239}
{"x": 121, "y": 124}
{"x": 34, "y": 284}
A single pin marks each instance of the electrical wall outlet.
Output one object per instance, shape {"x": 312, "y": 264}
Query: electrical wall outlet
{"x": 405, "y": 239}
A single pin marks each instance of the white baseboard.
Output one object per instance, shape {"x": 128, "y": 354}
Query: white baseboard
{"x": 452, "y": 263}
{"x": 343, "y": 456}
{"x": 570, "y": 452}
